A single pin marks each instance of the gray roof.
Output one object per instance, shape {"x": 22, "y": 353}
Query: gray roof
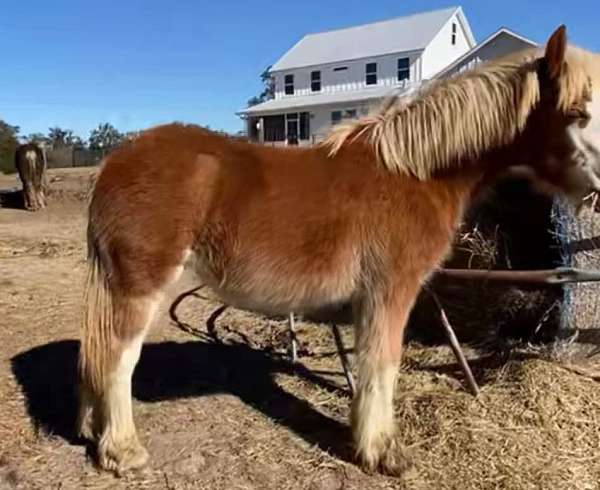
{"x": 410, "y": 33}
{"x": 351, "y": 96}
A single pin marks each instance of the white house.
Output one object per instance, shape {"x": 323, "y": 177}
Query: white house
{"x": 329, "y": 76}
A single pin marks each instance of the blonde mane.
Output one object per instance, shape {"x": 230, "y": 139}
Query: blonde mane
{"x": 459, "y": 118}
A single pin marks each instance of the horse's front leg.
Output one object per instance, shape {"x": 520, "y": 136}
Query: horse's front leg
{"x": 380, "y": 322}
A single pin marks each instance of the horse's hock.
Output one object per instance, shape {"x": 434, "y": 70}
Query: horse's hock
{"x": 516, "y": 228}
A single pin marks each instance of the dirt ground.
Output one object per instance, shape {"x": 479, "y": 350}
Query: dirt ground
{"x": 233, "y": 413}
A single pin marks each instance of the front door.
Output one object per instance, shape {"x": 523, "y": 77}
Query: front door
{"x": 292, "y": 128}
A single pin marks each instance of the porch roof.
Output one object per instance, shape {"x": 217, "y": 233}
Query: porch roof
{"x": 296, "y": 102}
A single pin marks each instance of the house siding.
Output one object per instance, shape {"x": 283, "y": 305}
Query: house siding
{"x": 502, "y": 45}
{"x": 320, "y": 120}
{"x": 321, "y": 116}
{"x": 441, "y": 52}
{"x": 351, "y": 79}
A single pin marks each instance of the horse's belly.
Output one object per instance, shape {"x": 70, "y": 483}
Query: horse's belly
{"x": 276, "y": 288}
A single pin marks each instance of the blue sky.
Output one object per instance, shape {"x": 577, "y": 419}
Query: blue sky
{"x": 138, "y": 63}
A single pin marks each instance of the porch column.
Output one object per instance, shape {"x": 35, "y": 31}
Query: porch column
{"x": 248, "y": 123}
{"x": 261, "y": 130}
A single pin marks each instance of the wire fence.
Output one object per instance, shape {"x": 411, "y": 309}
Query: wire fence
{"x": 66, "y": 157}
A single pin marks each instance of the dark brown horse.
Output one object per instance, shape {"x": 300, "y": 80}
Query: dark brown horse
{"x": 30, "y": 161}
{"x": 365, "y": 217}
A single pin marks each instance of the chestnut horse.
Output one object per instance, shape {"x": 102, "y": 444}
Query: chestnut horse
{"x": 366, "y": 217}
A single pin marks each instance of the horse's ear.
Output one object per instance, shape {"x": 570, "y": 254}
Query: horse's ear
{"x": 555, "y": 52}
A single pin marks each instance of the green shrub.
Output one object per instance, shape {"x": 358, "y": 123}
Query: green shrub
{"x": 8, "y": 144}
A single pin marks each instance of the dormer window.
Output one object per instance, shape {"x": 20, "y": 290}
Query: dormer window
{"x": 403, "y": 69}
{"x": 289, "y": 84}
{"x": 454, "y": 34}
{"x": 371, "y": 74}
{"x": 315, "y": 81}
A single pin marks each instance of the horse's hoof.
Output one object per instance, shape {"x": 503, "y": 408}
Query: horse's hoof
{"x": 395, "y": 461}
{"x": 123, "y": 456}
{"x": 85, "y": 427}
{"x": 391, "y": 460}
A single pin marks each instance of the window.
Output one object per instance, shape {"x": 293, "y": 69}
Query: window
{"x": 304, "y": 125}
{"x": 453, "y": 33}
{"x": 315, "y": 81}
{"x": 340, "y": 68}
{"x": 371, "y": 74}
{"x": 289, "y": 84}
{"x": 337, "y": 116}
{"x": 403, "y": 69}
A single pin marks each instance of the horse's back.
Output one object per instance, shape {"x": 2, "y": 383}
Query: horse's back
{"x": 249, "y": 215}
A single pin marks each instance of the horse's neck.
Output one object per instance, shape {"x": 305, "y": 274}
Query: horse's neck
{"x": 460, "y": 182}
{"x": 460, "y": 189}
{"x": 469, "y": 182}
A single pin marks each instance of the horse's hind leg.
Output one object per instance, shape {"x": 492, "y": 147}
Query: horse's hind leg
{"x": 380, "y": 325}
{"x": 28, "y": 197}
{"x": 87, "y": 419}
{"x": 40, "y": 198}
{"x": 41, "y": 184}
{"x": 117, "y": 321}
{"x": 119, "y": 448}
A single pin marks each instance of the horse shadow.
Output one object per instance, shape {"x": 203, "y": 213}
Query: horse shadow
{"x": 172, "y": 370}
{"x": 203, "y": 367}
{"x": 12, "y": 199}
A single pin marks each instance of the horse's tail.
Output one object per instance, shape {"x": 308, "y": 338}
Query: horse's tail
{"x": 98, "y": 326}
{"x": 25, "y": 162}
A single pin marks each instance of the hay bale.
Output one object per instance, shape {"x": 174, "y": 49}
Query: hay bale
{"x": 579, "y": 238}
{"x": 511, "y": 227}
{"x": 487, "y": 315}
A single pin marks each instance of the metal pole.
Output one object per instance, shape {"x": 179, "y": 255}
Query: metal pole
{"x": 293, "y": 340}
{"x": 462, "y": 360}
{"x": 561, "y": 275}
{"x": 343, "y": 358}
